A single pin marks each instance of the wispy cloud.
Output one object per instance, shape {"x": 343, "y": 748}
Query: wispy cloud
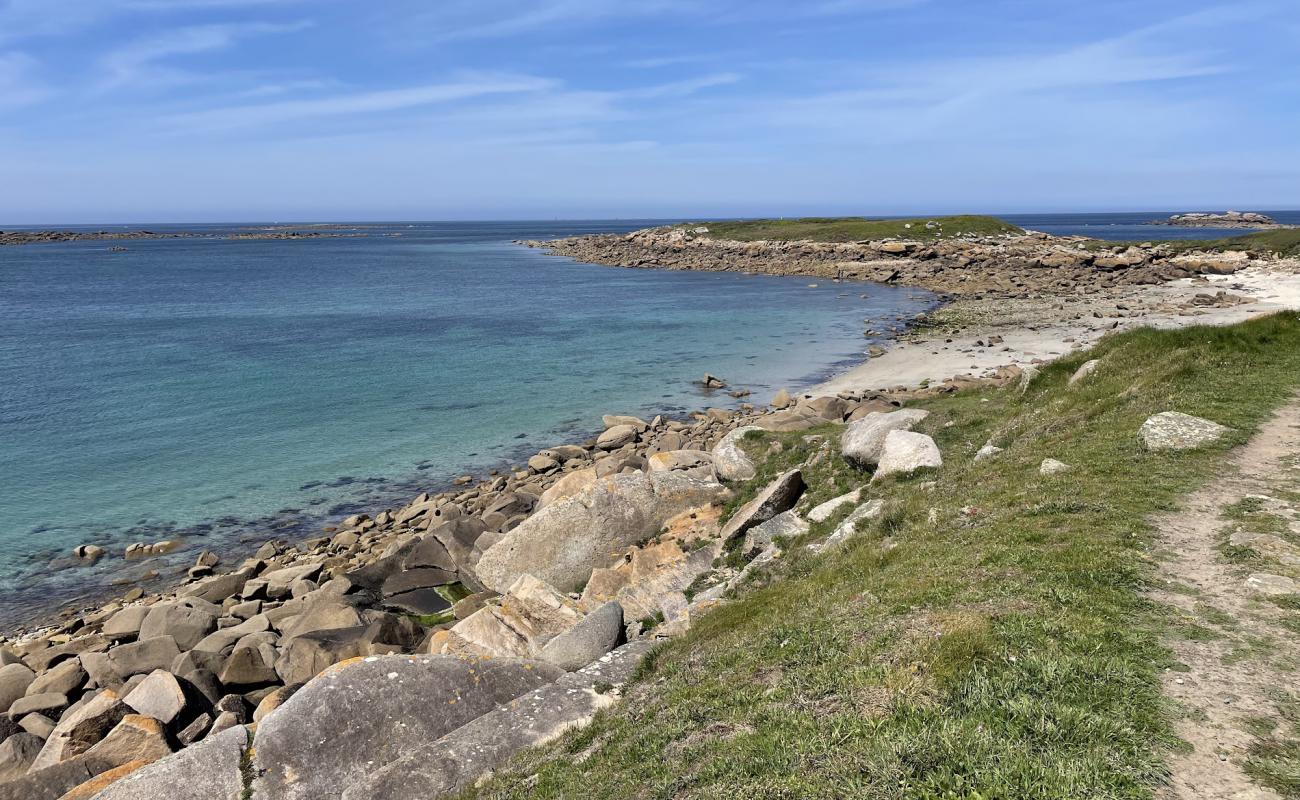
{"x": 477, "y": 19}
{"x": 137, "y": 59}
{"x": 360, "y": 103}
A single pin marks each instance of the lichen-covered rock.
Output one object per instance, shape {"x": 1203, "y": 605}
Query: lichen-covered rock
{"x": 348, "y": 721}
{"x": 1173, "y": 430}
{"x": 905, "y": 452}
{"x": 863, "y": 441}
{"x": 563, "y": 542}
{"x": 730, "y": 461}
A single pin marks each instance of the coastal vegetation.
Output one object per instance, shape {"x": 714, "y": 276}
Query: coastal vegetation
{"x": 856, "y": 229}
{"x": 988, "y": 636}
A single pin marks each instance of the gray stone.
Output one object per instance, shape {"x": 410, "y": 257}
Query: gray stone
{"x": 411, "y": 579}
{"x": 730, "y": 461}
{"x": 17, "y": 752}
{"x": 37, "y": 725}
{"x": 847, "y": 529}
{"x": 906, "y": 452}
{"x": 1086, "y": 369}
{"x": 63, "y": 678}
{"x": 863, "y": 442}
{"x": 145, "y": 655}
{"x": 1172, "y": 430}
{"x": 429, "y": 769}
{"x": 778, "y": 496}
{"x": 80, "y": 728}
{"x": 987, "y": 451}
{"x": 322, "y": 615}
{"x": 217, "y": 588}
{"x": 183, "y": 623}
{"x": 125, "y": 624}
{"x": 42, "y": 703}
{"x": 786, "y": 525}
{"x": 1265, "y": 583}
{"x": 429, "y": 552}
{"x": 1051, "y": 466}
{"x": 209, "y": 770}
{"x": 616, "y": 437}
{"x": 250, "y": 666}
{"x": 53, "y": 782}
{"x": 563, "y": 542}
{"x": 159, "y": 696}
{"x": 340, "y": 726}
{"x": 593, "y": 637}
{"x": 14, "y": 680}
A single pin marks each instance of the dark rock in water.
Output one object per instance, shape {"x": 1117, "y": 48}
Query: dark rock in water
{"x": 376, "y": 711}
{"x": 418, "y": 601}
{"x": 411, "y": 579}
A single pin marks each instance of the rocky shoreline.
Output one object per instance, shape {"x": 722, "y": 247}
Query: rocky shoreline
{"x": 1013, "y": 265}
{"x": 549, "y": 581}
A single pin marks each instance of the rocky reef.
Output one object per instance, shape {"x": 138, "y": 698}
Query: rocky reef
{"x": 1228, "y": 219}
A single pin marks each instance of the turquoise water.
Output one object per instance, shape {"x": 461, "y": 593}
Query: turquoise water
{"x": 230, "y": 391}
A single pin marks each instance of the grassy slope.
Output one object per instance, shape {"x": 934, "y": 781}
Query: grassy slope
{"x": 1285, "y": 242}
{"x": 1003, "y": 651}
{"x": 852, "y": 229}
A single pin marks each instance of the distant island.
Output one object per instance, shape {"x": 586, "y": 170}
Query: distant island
{"x": 1229, "y": 219}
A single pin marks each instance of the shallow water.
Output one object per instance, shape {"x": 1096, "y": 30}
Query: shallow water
{"x": 228, "y": 390}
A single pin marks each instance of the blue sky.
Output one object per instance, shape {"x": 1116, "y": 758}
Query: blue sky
{"x": 189, "y": 110}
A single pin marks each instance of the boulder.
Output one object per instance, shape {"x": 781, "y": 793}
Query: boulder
{"x": 693, "y": 462}
{"x": 126, "y": 623}
{"x": 321, "y": 615}
{"x": 786, "y": 525}
{"x": 564, "y": 541}
{"x": 135, "y": 738}
{"x": 530, "y": 614}
{"x": 571, "y": 484}
{"x": 80, "y": 728}
{"x": 905, "y": 452}
{"x": 730, "y": 461}
{"x": 63, "y": 678}
{"x": 250, "y": 666}
{"x": 143, "y": 656}
{"x": 614, "y": 420}
{"x": 17, "y": 752}
{"x": 52, "y": 782}
{"x": 279, "y": 581}
{"x": 14, "y": 680}
{"x": 1265, "y": 583}
{"x": 1172, "y": 430}
{"x": 183, "y": 622}
{"x": 593, "y": 637}
{"x": 429, "y": 552}
{"x": 219, "y": 587}
{"x": 1086, "y": 369}
{"x": 847, "y": 529}
{"x": 799, "y": 418}
{"x": 778, "y": 496}
{"x": 863, "y": 441}
{"x": 339, "y": 727}
{"x": 47, "y": 703}
{"x": 209, "y": 770}
{"x": 823, "y": 511}
{"x": 616, "y": 437}
{"x": 159, "y": 696}
{"x": 987, "y": 451}
{"x": 782, "y": 400}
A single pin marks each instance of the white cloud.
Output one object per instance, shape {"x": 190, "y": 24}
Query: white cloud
{"x": 135, "y": 60}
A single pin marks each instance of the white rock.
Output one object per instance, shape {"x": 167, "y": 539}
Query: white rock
{"x": 906, "y": 452}
{"x": 987, "y": 451}
{"x": 849, "y": 527}
{"x": 1086, "y": 369}
{"x": 729, "y": 460}
{"x": 1051, "y": 466}
{"x": 1272, "y": 584}
{"x": 864, "y": 440}
{"x": 1172, "y": 430}
{"x": 823, "y": 512}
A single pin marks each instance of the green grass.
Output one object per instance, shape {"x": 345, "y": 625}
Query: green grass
{"x": 853, "y": 229}
{"x": 1284, "y": 242}
{"x": 989, "y": 638}
{"x": 1274, "y": 758}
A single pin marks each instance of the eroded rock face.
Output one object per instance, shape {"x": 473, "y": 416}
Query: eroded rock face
{"x": 1172, "y": 430}
{"x": 731, "y": 462}
{"x": 778, "y": 496}
{"x": 563, "y": 542}
{"x": 339, "y": 727}
{"x": 863, "y": 441}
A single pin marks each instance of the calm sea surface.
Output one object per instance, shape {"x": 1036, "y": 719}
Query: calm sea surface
{"x": 222, "y": 391}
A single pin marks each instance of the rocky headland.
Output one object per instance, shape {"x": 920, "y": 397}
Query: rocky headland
{"x": 438, "y": 638}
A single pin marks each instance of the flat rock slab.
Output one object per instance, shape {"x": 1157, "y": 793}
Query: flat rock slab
{"x": 778, "y": 496}
{"x": 460, "y": 757}
{"x": 1172, "y": 430}
{"x": 209, "y": 770}
{"x": 1265, "y": 583}
{"x": 823, "y": 511}
{"x": 53, "y": 782}
{"x": 335, "y": 731}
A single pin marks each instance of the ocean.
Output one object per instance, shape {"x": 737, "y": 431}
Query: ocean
{"x": 228, "y": 392}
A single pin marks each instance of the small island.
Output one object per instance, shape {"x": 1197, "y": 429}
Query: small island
{"x": 1228, "y": 219}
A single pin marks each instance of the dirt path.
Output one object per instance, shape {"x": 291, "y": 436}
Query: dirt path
{"x": 1237, "y": 631}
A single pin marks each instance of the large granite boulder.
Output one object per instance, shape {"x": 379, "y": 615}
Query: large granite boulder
{"x": 731, "y": 462}
{"x": 863, "y": 441}
{"x": 1173, "y": 430}
{"x": 593, "y": 637}
{"x": 208, "y": 770}
{"x": 563, "y": 542}
{"x": 905, "y": 452}
{"x": 778, "y": 496}
{"x": 14, "y": 680}
{"x": 345, "y": 723}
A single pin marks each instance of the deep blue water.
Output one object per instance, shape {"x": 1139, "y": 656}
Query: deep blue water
{"x": 235, "y": 390}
